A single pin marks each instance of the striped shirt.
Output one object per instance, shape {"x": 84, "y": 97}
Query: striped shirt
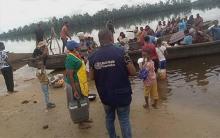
{"x": 3, "y": 60}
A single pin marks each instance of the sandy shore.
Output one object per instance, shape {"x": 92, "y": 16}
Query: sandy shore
{"x": 172, "y": 120}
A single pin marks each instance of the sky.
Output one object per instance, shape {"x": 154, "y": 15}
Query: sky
{"x": 16, "y": 13}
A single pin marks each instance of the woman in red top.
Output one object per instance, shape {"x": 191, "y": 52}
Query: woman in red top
{"x": 154, "y": 57}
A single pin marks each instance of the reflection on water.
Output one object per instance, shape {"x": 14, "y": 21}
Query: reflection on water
{"x": 186, "y": 78}
{"x": 201, "y": 72}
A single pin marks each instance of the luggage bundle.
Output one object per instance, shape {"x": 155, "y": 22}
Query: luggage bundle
{"x": 78, "y": 107}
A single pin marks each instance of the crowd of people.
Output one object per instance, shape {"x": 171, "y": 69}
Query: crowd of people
{"x": 188, "y": 30}
{"x": 109, "y": 63}
{"x": 110, "y": 67}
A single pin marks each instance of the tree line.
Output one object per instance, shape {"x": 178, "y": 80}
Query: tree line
{"x": 86, "y": 22}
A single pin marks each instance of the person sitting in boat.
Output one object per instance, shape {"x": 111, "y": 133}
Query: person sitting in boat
{"x": 200, "y": 37}
{"x": 190, "y": 22}
{"x": 159, "y": 29}
{"x": 136, "y": 33}
{"x": 164, "y": 25}
{"x": 215, "y": 31}
{"x": 187, "y": 40}
{"x": 149, "y": 30}
{"x": 121, "y": 37}
{"x": 198, "y": 23}
{"x": 168, "y": 28}
{"x": 182, "y": 25}
{"x": 174, "y": 27}
{"x": 123, "y": 40}
{"x": 124, "y": 44}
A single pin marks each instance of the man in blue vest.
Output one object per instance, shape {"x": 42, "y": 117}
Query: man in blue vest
{"x": 110, "y": 68}
{"x": 215, "y": 31}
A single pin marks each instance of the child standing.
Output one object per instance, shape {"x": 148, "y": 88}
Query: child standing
{"x": 44, "y": 81}
{"x": 161, "y": 52}
{"x": 150, "y": 83}
{"x": 41, "y": 73}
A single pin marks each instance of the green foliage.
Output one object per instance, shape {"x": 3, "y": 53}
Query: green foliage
{"x": 121, "y": 16}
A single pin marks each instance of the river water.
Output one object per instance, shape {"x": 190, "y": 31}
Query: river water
{"x": 27, "y": 46}
{"x": 192, "y": 82}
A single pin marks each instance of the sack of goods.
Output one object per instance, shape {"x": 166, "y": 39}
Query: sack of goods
{"x": 79, "y": 110}
{"x": 57, "y": 81}
{"x": 78, "y": 106}
{"x": 162, "y": 75}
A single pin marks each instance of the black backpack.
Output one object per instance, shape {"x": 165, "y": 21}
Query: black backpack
{"x": 37, "y": 52}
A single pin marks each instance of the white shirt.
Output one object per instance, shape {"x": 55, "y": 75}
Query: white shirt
{"x": 3, "y": 59}
{"x": 160, "y": 53}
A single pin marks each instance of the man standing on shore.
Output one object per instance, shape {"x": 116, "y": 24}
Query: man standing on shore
{"x": 110, "y": 26}
{"x": 64, "y": 34}
{"x": 39, "y": 32}
{"x": 6, "y": 69}
{"x": 110, "y": 68}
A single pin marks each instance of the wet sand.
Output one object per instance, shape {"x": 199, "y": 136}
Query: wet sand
{"x": 180, "y": 115}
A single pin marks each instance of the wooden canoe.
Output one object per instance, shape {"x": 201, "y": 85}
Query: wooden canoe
{"x": 178, "y": 52}
{"x": 185, "y": 51}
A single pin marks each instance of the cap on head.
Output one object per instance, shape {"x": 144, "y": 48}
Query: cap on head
{"x": 72, "y": 45}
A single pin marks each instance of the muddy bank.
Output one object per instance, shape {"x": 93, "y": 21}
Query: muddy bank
{"x": 188, "y": 107}
{"x": 175, "y": 118}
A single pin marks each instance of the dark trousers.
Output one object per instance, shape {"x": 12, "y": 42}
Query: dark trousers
{"x": 124, "y": 120}
{"x": 64, "y": 43}
{"x": 156, "y": 64}
{"x": 8, "y": 76}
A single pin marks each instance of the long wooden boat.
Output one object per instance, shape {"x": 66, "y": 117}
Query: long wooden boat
{"x": 185, "y": 51}
{"x": 177, "y": 52}
{"x": 16, "y": 59}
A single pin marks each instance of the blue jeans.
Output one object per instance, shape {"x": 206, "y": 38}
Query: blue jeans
{"x": 44, "y": 88}
{"x": 123, "y": 116}
{"x": 162, "y": 64}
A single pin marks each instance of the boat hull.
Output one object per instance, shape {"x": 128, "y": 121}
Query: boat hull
{"x": 178, "y": 52}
